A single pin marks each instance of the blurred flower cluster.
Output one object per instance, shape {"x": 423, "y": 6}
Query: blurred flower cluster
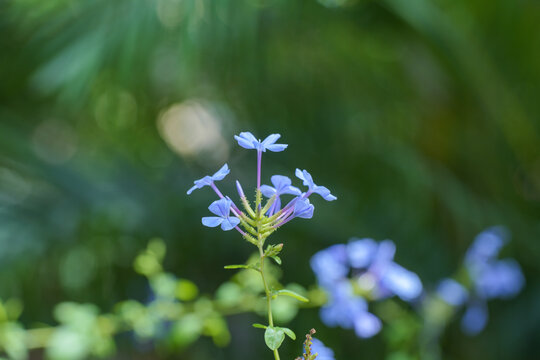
{"x": 485, "y": 278}
{"x": 353, "y": 274}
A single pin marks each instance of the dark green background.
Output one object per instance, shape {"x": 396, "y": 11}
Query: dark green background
{"x": 421, "y": 116}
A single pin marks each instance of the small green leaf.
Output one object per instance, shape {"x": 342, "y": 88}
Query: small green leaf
{"x": 259, "y": 326}
{"x": 277, "y": 259}
{"x": 289, "y": 333}
{"x": 292, "y": 294}
{"x": 236, "y": 267}
{"x": 274, "y": 336}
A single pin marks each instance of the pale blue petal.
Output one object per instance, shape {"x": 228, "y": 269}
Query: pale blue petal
{"x": 303, "y": 209}
{"x": 221, "y": 207}
{"x": 330, "y": 264}
{"x": 268, "y": 191}
{"x": 475, "y": 319}
{"x": 486, "y": 246}
{"x": 500, "y": 279}
{"x": 221, "y": 173}
{"x": 247, "y": 140}
{"x": 292, "y": 190}
{"x": 402, "y": 282}
{"x": 452, "y": 292}
{"x": 212, "y": 221}
{"x": 384, "y": 256}
{"x": 324, "y": 192}
{"x": 194, "y": 187}
{"x": 361, "y": 252}
{"x": 276, "y": 147}
{"x": 299, "y": 174}
{"x": 230, "y": 223}
{"x": 280, "y": 182}
{"x": 270, "y": 139}
{"x": 367, "y": 325}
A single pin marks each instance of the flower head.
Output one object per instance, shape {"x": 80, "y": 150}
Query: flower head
{"x": 489, "y": 278}
{"x": 303, "y": 209}
{"x": 379, "y": 273}
{"x": 209, "y": 180}
{"x": 248, "y": 141}
{"x": 222, "y": 209}
{"x": 313, "y": 188}
{"x": 282, "y": 185}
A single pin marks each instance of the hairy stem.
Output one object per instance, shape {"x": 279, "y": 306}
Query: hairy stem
{"x": 268, "y": 296}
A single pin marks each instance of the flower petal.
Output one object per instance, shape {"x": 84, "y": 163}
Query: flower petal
{"x": 280, "y": 182}
{"x": 229, "y": 223}
{"x": 276, "y": 147}
{"x": 366, "y": 325}
{"x": 221, "y": 173}
{"x": 361, "y": 252}
{"x": 270, "y": 139}
{"x": 221, "y": 207}
{"x": 452, "y": 292}
{"x": 475, "y": 319}
{"x": 402, "y": 282}
{"x": 303, "y": 209}
{"x": 268, "y": 191}
{"x": 247, "y": 140}
{"x": 324, "y": 192}
{"x": 212, "y": 221}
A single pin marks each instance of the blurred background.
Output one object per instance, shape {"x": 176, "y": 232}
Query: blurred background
{"x": 421, "y": 116}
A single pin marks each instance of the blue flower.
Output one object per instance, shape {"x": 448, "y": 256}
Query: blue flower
{"x": 209, "y": 180}
{"x": 452, "y": 292}
{"x": 221, "y": 208}
{"x": 282, "y": 185}
{"x": 248, "y": 141}
{"x": 348, "y": 311}
{"x": 475, "y": 318}
{"x": 303, "y": 209}
{"x": 381, "y": 275}
{"x": 308, "y": 181}
{"x": 330, "y": 264}
{"x": 323, "y": 352}
{"x": 489, "y": 278}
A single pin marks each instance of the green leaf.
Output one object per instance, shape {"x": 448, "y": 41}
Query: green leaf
{"x": 259, "y": 326}
{"x": 276, "y": 259}
{"x": 273, "y": 337}
{"x": 236, "y": 267}
{"x": 292, "y": 294}
{"x": 289, "y": 333}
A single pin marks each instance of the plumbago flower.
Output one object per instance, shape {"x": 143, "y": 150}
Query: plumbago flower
{"x": 357, "y": 272}
{"x": 256, "y": 223}
{"x": 486, "y": 278}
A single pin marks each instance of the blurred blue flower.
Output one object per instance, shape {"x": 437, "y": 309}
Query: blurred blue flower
{"x": 475, "y": 318}
{"x": 222, "y": 209}
{"x": 330, "y": 264}
{"x": 282, "y": 185}
{"x": 373, "y": 271}
{"x": 452, "y": 292}
{"x": 489, "y": 278}
{"x": 308, "y": 181}
{"x": 248, "y": 141}
{"x": 349, "y": 311}
{"x": 381, "y": 275}
{"x": 500, "y": 279}
{"x": 323, "y": 352}
{"x": 209, "y": 180}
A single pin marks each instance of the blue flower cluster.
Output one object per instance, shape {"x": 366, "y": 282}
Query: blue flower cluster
{"x": 229, "y": 216}
{"x": 356, "y": 272}
{"x": 488, "y": 278}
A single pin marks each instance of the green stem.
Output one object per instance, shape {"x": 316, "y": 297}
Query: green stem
{"x": 268, "y": 297}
